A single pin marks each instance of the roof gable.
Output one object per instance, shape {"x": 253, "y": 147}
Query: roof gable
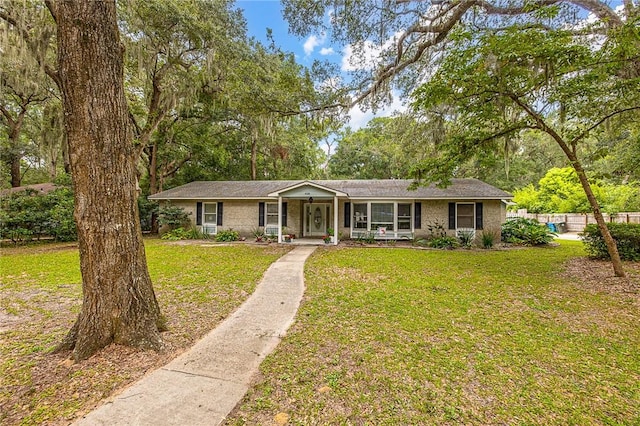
{"x": 307, "y": 189}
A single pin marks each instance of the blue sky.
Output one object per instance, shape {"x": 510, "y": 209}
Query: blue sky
{"x": 263, "y": 14}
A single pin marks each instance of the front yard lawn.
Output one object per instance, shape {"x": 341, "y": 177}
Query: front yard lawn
{"x": 401, "y": 336}
{"x": 196, "y": 285}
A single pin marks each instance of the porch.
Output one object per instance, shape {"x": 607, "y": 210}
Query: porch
{"x": 318, "y": 207}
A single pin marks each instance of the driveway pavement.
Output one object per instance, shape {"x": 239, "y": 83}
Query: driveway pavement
{"x": 568, "y": 236}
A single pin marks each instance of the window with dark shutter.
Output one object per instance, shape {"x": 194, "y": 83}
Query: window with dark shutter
{"x": 284, "y": 214}
{"x": 417, "y": 216}
{"x": 199, "y": 213}
{"x": 219, "y": 215}
{"x": 347, "y": 215}
{"x": 260, "y": 214}
{"x": 452, "y": 215}
{"x": 478, "y": 215}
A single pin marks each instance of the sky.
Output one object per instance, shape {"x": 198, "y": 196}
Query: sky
{"x": 263, "y": 14}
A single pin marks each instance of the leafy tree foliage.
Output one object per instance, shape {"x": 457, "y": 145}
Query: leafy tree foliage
{"x": 385, "y": 149}
{"x": 30, "y": 105}
{"x": 503, "y": 67}
{"x": 27, "y": 215}
{"x": 502, "y": 82}
{"x": 173, "y": 216}
{"x": 559, "y": 191}
{"x": 174, "y": 62}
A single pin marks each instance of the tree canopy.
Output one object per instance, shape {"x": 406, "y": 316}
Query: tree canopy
{"x": 559, "y": 191}
{"x": 493, "y": 69}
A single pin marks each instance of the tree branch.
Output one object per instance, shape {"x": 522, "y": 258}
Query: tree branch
{"x": 24, "y": 33}
{"x": 542, "y": 125}
{"x": 599, "y": 122}
{"x": 447, "y": 15}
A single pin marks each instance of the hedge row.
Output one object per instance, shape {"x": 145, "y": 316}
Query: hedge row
{"x": 626, "y": 235}
{"x": 28, "y": 215}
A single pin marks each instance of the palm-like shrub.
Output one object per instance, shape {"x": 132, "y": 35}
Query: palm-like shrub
{"x": 528, "y": 232}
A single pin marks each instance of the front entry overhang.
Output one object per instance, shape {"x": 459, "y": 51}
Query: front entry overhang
{"x": 309, "y": 191}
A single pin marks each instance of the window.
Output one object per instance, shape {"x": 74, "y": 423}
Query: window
{"x": 359, "y": 216}
{"x": 393, "y": 217}
{"x": 272, "y": 214}
{"x": 210, "y": 213}
{"x": 404, "y": 216}
{"x": 465, "y": 216}
{"x": 382, "y": 216}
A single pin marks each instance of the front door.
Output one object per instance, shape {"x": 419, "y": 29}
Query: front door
{"x": 315, "y": 219}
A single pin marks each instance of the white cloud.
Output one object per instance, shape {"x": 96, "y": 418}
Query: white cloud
{"x": 312, "y": 42}
{"x": 364, "y": 55}
{"x": 360, "y": 118}
{"x": 327, "y": 51}
{"x": 330, "y": 84}
{"x": 359, "y": 57}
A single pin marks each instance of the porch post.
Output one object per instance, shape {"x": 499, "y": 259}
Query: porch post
{"x": 335, "y": 220}
{"x": 279, "y": 218}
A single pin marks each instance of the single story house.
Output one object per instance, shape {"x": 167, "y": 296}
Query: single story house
{"x": 383, "y": 209}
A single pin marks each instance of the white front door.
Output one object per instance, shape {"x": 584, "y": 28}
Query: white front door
{"x": 315, "y": 219}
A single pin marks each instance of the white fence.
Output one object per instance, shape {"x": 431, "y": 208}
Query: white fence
{"x": 575, "y": 222}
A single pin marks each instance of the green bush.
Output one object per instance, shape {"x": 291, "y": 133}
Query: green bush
{"x": 528, "y": 232}
{"x": 184, "y": 234}
{"x": 148, "y": 211}
{"x": 62, "y": 225}
{"x": 28, "y": 215}
{"x": 626, "y": 236}
{"x": 466, "y": 238}
{"x": 227, "y": 236}
{"x": 488, "y": 239}
{"x": 368, "y": 238}
{"x": 439, "y": 239}
{"x": 172, "y": 216}
{"x": 444, "y": 242}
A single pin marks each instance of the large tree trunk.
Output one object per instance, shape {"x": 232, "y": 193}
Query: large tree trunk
{"x": 66, "y": 161}
{"x": 570, "y": 152}
{"x": 16, "y": 176}
{"x": 153, "y": 169}
{"x": 254, "y": 158}
{"x": 119, "y": 305}
{"x": 15, "y": 126}
{"x": 612, "y": 248}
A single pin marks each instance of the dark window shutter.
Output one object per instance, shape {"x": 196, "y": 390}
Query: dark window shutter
{"x": 219, "y": 214}
{"x": 417, "y": 216}
{"x": 347, "y": 215}
{"x": 199, "y": 213}
{"x": 284, "y": 214}
{"x": 478, "y": 215}
{"x": 260, "y": 214}
{"x": 452, "y": 215}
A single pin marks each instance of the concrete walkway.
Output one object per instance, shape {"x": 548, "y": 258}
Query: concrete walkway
{"x": 573, "y": 236}
{"x": 204, "y": 384}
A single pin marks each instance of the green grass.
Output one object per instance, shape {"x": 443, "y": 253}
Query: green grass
{"x": 400, "y": 336}
{"x": 196, "y": 286}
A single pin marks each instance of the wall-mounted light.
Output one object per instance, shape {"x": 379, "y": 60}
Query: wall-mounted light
{"x": 310, "y": 200}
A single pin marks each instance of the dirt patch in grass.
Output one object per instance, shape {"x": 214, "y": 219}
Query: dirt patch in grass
{"x": 596, "y": 276}
{"x": 44, "y": 388}
{"x": 39, "y": 387}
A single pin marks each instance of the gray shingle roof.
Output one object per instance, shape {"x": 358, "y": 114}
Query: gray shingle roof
{"x": 217, "y": 190}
